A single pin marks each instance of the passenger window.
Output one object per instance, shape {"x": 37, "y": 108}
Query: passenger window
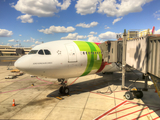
{"x": 41, "y": 52}
{"x": 83, "y": 53}
{"x": 86, "y": 53}
{"x": 47, "y": 52}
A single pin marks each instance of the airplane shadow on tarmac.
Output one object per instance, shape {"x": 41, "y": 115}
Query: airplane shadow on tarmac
{"x": 111, "y": 79}
{"x": 106, "y": 80}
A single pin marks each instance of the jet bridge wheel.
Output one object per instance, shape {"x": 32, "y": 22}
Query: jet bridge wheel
{"x": 138, "y": 94}
{"x": 129, "y": 95}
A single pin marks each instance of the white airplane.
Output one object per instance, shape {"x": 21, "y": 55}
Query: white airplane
{"x": 64, "y": 59}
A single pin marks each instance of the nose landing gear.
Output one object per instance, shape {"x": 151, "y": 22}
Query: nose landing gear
{"x": 63, "y": 89}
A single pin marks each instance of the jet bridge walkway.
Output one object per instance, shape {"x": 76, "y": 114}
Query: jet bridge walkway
{"x": 141, "y": 53}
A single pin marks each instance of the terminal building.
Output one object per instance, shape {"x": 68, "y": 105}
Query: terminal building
{"x": 12, "y": 51}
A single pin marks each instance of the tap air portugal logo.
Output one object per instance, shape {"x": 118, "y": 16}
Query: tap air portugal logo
{"x": 94, "y": 56}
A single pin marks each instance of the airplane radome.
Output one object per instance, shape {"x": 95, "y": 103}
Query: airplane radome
{"x": 64, "y": 59}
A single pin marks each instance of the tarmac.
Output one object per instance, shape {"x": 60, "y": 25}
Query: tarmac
{"x": 8, "y": 60}
{"x": 96, "y": 96}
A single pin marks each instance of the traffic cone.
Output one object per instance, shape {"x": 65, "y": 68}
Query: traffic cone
{"x": 155, "y": 90}
{"x": 13, "y": 103}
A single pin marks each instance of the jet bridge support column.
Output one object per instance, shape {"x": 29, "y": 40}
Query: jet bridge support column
{"x": 124, "y": 60}
{"x": 146, "y": 84}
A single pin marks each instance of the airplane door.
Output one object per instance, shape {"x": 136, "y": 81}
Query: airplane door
{"x": 72, "y": 56}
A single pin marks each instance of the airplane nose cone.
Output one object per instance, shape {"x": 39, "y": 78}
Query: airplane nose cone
{"x": 22, "y": 63}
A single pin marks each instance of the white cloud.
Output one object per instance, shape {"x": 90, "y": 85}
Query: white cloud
{"x": 92, "y": 38}
{"x": 8, "y": 44}
{"x": 113, "y": 8}
{"x": 110, "y": 7}
{"x": 5, "y": 33}
{"x": 84, "y": 7}
{"x": 93, "y": 33}
{"x": 73, "y": 36}
{"x": 116, "y": 20}
{"x": 25, "y": 18}
{"x": 70, "y": 36}
{"x": 37, "y": 42}
{"x": 16, "y": 45}
{"x": 65, "y": 5}
{"x": 158, "y": 18}
{"x": 57, "y": 29}
{"x": 157, "y": 31}
{"x": 108, "y": 35}
{"x": 32, "y": 45}
{"x": 29, "y": 40}
{"x": 92, "y": 24}
{"x": 106, "y": 27}
{"x": 81, "y": 37}
{"x": 20, "y": 35}
{"x": 40, "y": 8}
{"x": 157, "y": 13}
{"x": 12, "y": 40}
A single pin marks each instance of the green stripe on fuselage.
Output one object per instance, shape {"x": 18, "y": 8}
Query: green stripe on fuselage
{"x": 92, "y": 62}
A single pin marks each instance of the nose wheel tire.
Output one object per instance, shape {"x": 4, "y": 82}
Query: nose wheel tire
{"x": 64, "y": 90}
{"x": 61, "y": 89}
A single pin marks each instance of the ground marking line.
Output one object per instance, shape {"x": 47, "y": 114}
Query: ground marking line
{"x": 116, "y": 91}
{"x": 74, "y": 81}
{"x": 146, "y": 114}
{"x": 123, "y": 109}
{"x": 156, "y": 118}
{"x": 109, "y": 111}
{"x": 44, "y": 80}
{"x": 130, "y": 113}
{"x": 28, "y": 87}
{"x": 15, "y": 80}
{"x": 23, "y": 88}
{"x": 123, "y": 100}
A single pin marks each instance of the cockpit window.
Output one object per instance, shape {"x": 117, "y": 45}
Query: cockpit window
{"x": 41, "y": 52}
{"x": 33, "y": 52}
{"x": 47, "y": 52}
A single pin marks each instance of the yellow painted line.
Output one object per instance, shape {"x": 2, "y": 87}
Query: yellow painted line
{"x": 8, "y": 60}
{"x": 59, "y": 98}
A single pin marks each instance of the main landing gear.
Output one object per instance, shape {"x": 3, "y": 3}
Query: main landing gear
{"x": 63, "y": 89}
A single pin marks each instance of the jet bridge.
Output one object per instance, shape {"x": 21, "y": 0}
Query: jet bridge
{"x": 111, "y": 51}
{"x": 141, "y": 53}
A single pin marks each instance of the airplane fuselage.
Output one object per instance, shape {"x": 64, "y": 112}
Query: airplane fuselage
{"x": 64, "y": 59}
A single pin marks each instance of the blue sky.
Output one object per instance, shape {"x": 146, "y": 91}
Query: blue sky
{"x": 30, "y": 22}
